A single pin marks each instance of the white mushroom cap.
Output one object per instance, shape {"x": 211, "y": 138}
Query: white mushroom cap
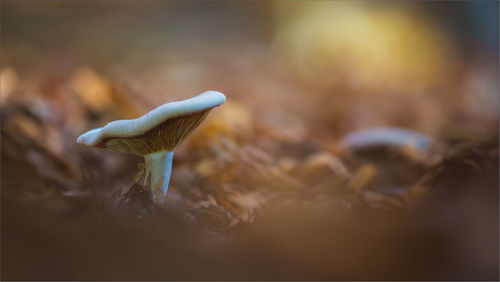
{"x": 134, "y": 128}
{"x": 387, "y": 136}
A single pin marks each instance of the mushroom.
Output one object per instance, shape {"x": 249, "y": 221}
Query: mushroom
{"x": 155, "y": 136}
{"x": 387, "y": 159}
{"x": 387, "y": 136}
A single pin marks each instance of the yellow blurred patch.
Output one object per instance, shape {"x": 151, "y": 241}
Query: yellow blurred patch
{"x": 371, "y": 46}
{"x": 205, "y": 167}
{"x": 8, "y": 83}
{"x": 232, "y": 121}
{"x": 94, "y": 90}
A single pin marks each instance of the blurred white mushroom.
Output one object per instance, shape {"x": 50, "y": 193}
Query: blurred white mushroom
{"x": 386, "y": 136}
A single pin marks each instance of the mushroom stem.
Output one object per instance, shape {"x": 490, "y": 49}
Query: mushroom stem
{"x": 158, "y": 169}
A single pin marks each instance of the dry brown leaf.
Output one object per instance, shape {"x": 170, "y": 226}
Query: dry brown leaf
{"x": 364, "y": 175}
{"x": 323, "y": 163}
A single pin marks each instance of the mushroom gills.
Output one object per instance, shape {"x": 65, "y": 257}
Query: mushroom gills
{"x": 164, "y": 137}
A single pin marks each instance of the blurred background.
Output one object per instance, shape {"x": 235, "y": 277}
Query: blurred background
{"x": 359, "y": 140}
